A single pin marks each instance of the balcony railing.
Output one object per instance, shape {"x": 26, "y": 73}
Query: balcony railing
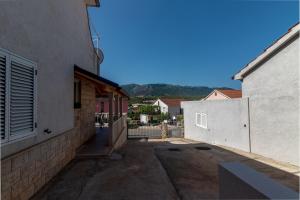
{"x": 102, "y": 119}
{"x": 119, "y": 126}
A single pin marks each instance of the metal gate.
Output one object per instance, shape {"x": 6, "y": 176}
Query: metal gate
{"x": 154, "y": 132}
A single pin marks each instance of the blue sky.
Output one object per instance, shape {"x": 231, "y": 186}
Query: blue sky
{"x": 186, "y": 42}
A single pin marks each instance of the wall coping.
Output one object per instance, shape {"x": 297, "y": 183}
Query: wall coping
{"x": 259, "y": 181}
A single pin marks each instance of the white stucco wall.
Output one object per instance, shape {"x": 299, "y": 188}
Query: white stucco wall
{"x": 54, "y": 34}
{"x": 273, "y": 89}
{"x": 227, "y": 122}
{"x": 162, "y": 105}
{"x": 273, "y": 114}
{"x": 144, "y": 118}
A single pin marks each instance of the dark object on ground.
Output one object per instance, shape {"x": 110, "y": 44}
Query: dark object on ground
{"x": 203, "y": 148}
{"x": 116, "y": 156}
{"x": 174, "y": 149}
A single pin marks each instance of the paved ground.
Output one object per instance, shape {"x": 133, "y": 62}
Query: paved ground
{"x": 97, "y": 146}
{"x": 194, "y": 172}
{"x": 138, "y": 175}
{"x": 158, "y": 169}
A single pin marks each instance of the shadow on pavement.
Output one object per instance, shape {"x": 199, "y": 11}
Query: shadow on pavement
{"x": 154, "y": 169}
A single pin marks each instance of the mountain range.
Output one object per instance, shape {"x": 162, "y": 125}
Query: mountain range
{"x": 166, "y": 90}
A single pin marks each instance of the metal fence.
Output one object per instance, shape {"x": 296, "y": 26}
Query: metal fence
{"x": 153, "y": 132}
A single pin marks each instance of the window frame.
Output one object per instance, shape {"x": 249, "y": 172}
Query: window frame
{"x": 7, "y": 82}
{"x": 102, "y": 107}
{"x": 77, "y": 91}
{"x": 201, "y": 124}
{"x": 9, "y": 56}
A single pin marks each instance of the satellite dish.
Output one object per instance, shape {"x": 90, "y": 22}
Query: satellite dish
{"x": 100, "y": 55}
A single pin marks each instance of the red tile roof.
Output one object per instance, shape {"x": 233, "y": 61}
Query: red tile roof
{"x": 232, "y": 93}
{"x": 172, "y": 102}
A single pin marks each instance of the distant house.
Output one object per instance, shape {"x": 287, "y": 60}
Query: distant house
{"x": 224, "y": 94}
{"x": 171, "y": 106}
{"x": 148, "y": 101}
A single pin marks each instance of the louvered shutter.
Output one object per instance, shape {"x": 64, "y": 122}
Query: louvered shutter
{"x": 2, "y": 96}
{"x": 22, "y": 98}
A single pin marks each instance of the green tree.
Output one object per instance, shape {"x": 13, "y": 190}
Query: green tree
{"x": 149, "y": 110}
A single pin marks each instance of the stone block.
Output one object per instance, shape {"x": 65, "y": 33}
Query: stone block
{"x": 39, "y": 183}
{"x": 44, "y": 150}
{"x": 27, "y": 193}
{"x": 34, "y": 154}
{"x": 35, "y": 176}
{"x": 5, "y": 182}
{"x": 19, "y": 160}
{"x": 15, "y": 176}
{"x": 5, "y": 166}
{"x": 6, "y": 194}
{"x": 18, "y": 188}
{"x": 27, "y": 169}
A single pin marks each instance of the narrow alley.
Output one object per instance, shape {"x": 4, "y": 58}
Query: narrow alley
{"x": 157, "y": 169}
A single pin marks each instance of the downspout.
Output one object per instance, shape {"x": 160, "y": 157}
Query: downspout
{"x": 248, "y": 99}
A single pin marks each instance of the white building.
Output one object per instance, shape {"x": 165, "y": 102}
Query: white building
{"x": 265, "y": 120}
{"x": 50, "y": 78}
{"x": 218, "y": 94}
{"x": 271, "y": 82}
{"x": 171, "y": 106}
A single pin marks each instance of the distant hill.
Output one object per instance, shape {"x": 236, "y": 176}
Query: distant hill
{"x": 168, "y": 90}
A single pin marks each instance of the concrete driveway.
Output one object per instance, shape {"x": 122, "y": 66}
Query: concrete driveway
{"x": 157, "y": 169}
{"x": 193, "y": 170}
{"x": 137, "y": 174}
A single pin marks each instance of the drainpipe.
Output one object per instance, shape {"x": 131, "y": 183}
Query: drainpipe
{"x": 248, "y": 99}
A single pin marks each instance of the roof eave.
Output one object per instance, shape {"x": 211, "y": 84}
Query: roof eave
{"x": 293, "y": 32}
{"x": 124, "y": 93}
{"x": 237, "y": 76}
{"x": 209, "y": 94}
{"x": 92, "y": 3}
{"x": 105, "y": 81}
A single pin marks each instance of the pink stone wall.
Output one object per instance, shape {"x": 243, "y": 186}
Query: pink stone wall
{"x": 216, "y": 96}
{"x": 106, "y": 105}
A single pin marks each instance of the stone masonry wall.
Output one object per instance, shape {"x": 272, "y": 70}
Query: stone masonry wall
{"x": 122, "y": 135}
{"x": 24, "y": 173}
{"x": 88, "y": 106}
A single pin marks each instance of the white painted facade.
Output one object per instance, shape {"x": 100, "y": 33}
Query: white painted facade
{"x": 163, "y": 107}
{"x": 274, "y": 94}
{"x": 266, "y": 120}
{"x": 222, "y": 122}
{"x": 55, "y": 35}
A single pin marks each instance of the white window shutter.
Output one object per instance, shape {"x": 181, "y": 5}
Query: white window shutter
{"x": 201, "y": 120}
{"x": 204, "y": 120}
{"x": 2, "y": 96}
{"x": 198, "y": 119}
{"x": 22, "y": 98}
